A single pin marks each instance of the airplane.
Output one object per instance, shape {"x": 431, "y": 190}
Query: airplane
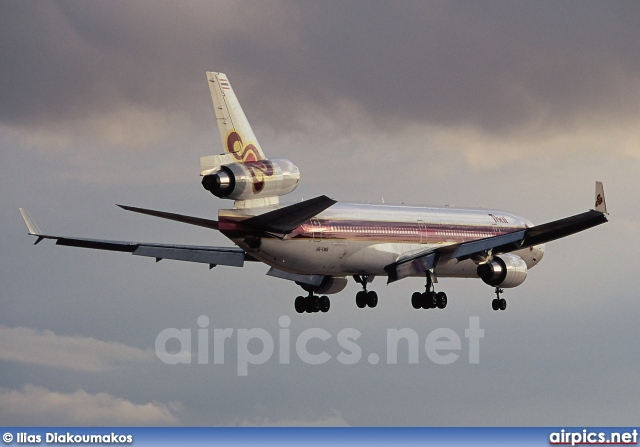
{"x": 320, "y": 243}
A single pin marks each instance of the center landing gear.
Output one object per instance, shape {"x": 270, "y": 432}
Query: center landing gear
{"x": 429, "y": 299}
{"x": 312, "y": 303}
{"x": 365, "y": 298}
{"x": 499, "y": 303}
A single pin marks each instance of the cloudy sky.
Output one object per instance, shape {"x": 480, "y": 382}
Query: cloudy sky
{"x": 510, "y": 105}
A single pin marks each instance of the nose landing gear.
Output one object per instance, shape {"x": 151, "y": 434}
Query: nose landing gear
{"x": 499, "y": 303}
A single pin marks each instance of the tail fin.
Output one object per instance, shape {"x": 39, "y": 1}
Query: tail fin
{"x": 237, "y": 137}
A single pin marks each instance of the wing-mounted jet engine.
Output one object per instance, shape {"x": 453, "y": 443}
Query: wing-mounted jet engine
{"x": 505, "y": 270}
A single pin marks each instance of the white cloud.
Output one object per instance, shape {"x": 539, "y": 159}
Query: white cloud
{"x": 34, "y": 405}
{"x": 78, "y": 353}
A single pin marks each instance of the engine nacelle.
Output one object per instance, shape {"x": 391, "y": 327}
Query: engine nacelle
{"x": 329, "y": 285}
{"x": 253, "y": 179}
{"x": 505, "y": 270}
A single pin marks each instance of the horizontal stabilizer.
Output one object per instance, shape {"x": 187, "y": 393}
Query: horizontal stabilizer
{"x": 207, "y": 223}
{"x": 285, "y": 220}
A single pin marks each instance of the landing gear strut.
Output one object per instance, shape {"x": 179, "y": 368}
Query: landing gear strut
{"x": 312, "y": 303}
{"x": 429, "y": 299}
{"x": 499, "y": 303}
{"x": 365, "y": 298}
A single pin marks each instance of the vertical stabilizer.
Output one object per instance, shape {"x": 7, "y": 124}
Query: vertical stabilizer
{"x": 237, "y": 137}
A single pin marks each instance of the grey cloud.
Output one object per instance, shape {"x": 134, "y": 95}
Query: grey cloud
{"x": 498, "y": 66}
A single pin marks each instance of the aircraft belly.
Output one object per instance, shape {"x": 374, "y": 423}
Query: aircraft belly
{"x": 305, "y": 256}
{"x": 330, "y": 257}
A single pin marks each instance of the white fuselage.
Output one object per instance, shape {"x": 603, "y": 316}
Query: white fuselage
{"x": 349, "y": 239}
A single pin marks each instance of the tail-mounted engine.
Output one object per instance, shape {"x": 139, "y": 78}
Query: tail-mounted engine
{"x": 506, "y": 270}
{"x": 253, "y": 179}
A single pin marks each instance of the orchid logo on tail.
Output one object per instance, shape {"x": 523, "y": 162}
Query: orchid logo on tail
{"x": 249, "y": 156}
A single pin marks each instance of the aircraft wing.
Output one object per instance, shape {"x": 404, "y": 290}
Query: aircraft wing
{"x": 231, "y": 256}
{"x": 420, "y": 262}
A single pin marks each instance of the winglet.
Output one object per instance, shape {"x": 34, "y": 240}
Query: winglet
{"x": 31, "y": 225}
{"x": 601, "y": 204}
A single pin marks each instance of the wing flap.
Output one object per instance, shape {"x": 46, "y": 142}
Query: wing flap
{"x": 205, "y": 255}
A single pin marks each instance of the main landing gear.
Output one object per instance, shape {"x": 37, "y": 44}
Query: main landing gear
{"x": 429, "y": 299}
{"x": 365, "y": 298}
{"x": 312, "y": 303}
{"x": 499, "y": 303}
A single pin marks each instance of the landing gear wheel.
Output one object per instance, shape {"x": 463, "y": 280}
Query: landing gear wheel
{"x": 499, "y": 303}
{"x": 372, "y": 299}
{"x": 426, "y": 300}
{"x": 313, "y": 304}
{"x": 325, "y": 304}
{"x": 429, "y": 300}
{"x": 416, "y": 300}
{"x": 361, "y": 299}
{"x": 441, "y": 300}
{"x": 300, "y": 304}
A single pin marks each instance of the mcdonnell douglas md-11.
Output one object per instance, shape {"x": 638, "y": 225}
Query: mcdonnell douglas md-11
{"x": 320, "y": 243}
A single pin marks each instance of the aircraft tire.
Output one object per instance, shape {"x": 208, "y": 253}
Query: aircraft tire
{"x": 416, "y": 300}
{"x": 441, "y": 299}
{"x": 372, "y": 299}
{"x": 325, "y": 304}
{"x": 503, "y": 304}
{"x": 300, "y": 304}
{"x": 313, "y": 304}
{"x": 361, "y": 299}
{"x": 429, "y": 300}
